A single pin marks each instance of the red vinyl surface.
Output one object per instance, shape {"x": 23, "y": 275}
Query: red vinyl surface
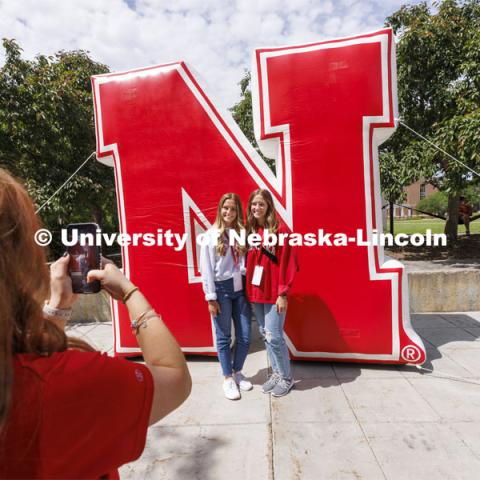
{"x": 323, "y": 108}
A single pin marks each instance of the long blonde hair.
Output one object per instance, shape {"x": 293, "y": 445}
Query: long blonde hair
{"x": 271, "y": 220}
{"x": 24, "y": 286}
{"x": 220, "y": 224}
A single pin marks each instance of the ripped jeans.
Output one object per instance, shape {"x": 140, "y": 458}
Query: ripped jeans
{"x": 270, "y": 325}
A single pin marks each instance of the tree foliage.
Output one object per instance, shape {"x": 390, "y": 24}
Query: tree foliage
{"x": 395, "y": 176}
{"x": 242, "y": 113}
{"x": 437, "y": 203}
{"x": 438, "y": 57}
{"x": 47, "y": 131}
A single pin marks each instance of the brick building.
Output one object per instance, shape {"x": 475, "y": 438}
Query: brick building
{"x": 415, "y": 192}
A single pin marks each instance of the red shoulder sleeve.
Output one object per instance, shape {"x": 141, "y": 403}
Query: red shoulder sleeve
{"x": 288, "y": 266}
{"x": 96, "y": 414}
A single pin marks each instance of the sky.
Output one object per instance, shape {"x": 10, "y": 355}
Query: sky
{"x": 215, "y": 37}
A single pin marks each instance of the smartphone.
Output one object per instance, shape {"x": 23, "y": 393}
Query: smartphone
{"x": 84, "y": 256}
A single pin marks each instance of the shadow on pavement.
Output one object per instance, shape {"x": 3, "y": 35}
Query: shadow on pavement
{"x": 437, "y": 330}
{"x": 303, "y": 385}
{"x": 260, "y": 377}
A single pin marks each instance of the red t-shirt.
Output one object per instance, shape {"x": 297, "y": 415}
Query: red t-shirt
{"x": 75, "y": 415}
{"x": 277, "y": 278}
{"x": 465, "y": 209}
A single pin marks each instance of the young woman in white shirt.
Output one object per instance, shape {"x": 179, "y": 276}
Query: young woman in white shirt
{"x": 222, "y": 266}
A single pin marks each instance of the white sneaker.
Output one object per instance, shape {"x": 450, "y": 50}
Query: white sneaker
{"x": 242, "y": 382}
{"x": 230, "y": 389}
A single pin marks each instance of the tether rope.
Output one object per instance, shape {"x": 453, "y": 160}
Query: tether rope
{"x": 65, "y": 182}
{"x": 437, "y": 147}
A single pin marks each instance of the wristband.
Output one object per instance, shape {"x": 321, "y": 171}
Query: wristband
{"x": 63, "y": 313}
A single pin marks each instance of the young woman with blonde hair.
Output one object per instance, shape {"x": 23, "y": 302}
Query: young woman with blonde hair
{"x": 67, "y": 411}
{"x": 270, "y": 274}
{"x": 223, "y": 267}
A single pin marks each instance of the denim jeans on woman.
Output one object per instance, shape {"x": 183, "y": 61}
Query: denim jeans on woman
{"x": 233, "y": 305}
{"x": 270, "y": 325}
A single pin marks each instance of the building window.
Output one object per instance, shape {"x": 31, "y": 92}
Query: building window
{"x": 422, "y": 191}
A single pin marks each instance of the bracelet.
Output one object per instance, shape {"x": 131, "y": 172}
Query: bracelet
{"x": 63, "y": 313}
{"x": 142, "y": 321}
{"x": 129, "y": 294}
{"x": 138, "y": 321}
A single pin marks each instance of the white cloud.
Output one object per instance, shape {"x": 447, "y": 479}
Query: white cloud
{"x": 216, "y": 37}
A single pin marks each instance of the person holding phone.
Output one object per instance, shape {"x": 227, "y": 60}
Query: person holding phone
{"x": 67, "y": 411}
{"x": 270, "y": 274}
{"x": 222, "y": 265}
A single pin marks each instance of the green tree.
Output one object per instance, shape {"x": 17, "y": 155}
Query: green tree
{"x": 394, "y": 177}
{"x": 437, "y": 203}
{"x": 438, "y": 57}
{"x": 47, "y": 131}
{"x": 242, "y": 113}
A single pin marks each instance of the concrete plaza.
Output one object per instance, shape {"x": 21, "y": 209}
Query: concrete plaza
{"x": 342, "y": 421}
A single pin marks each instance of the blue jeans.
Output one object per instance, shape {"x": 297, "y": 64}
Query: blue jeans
{"x": 270, "y": 325}
{"x": 232, "y": 305}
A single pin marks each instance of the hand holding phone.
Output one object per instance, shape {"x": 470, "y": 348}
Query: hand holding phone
{"x": 61, "y": 295}
{"x": 84, "y": 256}
{"x": 112, "y": 279}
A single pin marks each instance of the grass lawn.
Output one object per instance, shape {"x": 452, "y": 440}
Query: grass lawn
{"x": 420, "y": 225}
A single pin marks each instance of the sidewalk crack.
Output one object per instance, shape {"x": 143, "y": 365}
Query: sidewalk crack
{"x": 271, "y": 440}
{"x": 360, "y": 425}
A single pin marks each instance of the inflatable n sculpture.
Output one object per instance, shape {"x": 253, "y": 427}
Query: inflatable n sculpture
{"x": 320, "y": 110}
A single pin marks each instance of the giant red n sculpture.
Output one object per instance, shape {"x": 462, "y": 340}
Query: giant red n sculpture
{"x": 321, "y": 110}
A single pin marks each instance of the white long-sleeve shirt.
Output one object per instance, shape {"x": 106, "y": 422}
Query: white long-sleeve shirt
{"x": 217, "y": 268}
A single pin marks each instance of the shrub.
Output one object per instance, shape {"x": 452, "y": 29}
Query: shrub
{"x": 437, "y": 203}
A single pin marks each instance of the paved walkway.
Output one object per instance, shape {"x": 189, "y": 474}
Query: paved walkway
{"x": 342, "y": 421}
{"x": 441, "y": 264}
